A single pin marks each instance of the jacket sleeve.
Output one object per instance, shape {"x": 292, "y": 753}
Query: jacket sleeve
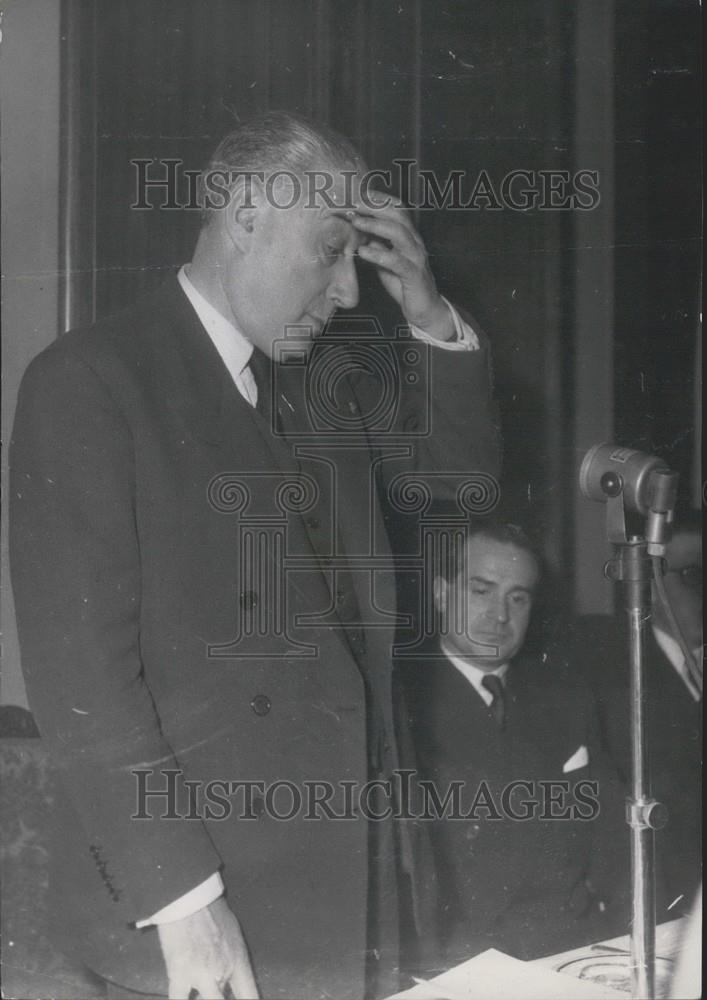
{"x": 75, "y": 561}
{"x": 460, "y": 412}
{"x": 447, "y": 420}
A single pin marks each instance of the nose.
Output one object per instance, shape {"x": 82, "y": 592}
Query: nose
{"x": 343, "y": 290}
{"x": 498, "y": 610}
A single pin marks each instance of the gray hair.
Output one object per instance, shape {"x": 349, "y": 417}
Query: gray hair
{"x": 279, "y": 141}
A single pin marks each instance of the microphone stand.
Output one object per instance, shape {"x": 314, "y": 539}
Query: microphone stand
{"x": 632, "y": 567}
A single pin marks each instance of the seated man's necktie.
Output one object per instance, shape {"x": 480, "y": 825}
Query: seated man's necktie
{"x": 494, "y": 685}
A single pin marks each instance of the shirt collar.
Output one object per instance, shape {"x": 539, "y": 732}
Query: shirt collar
{"x": 235, "y": 349}
{"x": 475, "y": 675}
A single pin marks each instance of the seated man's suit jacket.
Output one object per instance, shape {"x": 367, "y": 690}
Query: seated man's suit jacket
{"x": 674, "y": 739}
{"x": 150, "y": 641}
{"x": 528, "y": 886}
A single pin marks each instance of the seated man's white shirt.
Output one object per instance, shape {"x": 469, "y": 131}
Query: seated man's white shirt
{"x": 235, "y": 351}
{"x": 475, "y": 675}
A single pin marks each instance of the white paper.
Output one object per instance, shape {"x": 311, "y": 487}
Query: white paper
{"x": 495, "y": 976}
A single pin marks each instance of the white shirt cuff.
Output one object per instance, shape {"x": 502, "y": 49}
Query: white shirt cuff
{"x": 464, "y": 340}
{"x": 196, "y": 899}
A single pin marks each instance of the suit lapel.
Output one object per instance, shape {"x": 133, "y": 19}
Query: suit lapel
{"x": 198, "y": 384}
{"x": 200, "y": 387}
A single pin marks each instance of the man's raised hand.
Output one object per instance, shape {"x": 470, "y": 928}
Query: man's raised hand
{"x": 397, "y": 250}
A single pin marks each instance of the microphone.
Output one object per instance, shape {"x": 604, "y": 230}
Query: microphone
{"x": 641, "y": 483}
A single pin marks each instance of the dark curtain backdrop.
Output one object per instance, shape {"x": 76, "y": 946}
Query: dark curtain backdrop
{"x": 457, "y": 85}
{"x": 658, "y": 231}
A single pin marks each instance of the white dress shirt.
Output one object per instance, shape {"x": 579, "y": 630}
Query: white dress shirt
{"x": 235, "y": 350}
{"x": 475, "y": 675}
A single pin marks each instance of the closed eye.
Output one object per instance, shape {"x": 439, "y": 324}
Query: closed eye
{"x": 333, "y": 250}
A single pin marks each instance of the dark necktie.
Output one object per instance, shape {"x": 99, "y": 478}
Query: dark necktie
{"x": 494, "y": 685}
{"x": 261, "y": 367}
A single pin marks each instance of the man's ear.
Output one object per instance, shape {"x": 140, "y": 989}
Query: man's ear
{"x": 242, "y": 213}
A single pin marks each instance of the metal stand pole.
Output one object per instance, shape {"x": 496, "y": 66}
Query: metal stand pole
{"x": 628, "y": 481}
{"x": 643, "y": 813}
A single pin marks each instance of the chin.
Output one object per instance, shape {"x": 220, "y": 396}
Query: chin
{"x": 485, "y": 660}
{"x": 487, "y": 649}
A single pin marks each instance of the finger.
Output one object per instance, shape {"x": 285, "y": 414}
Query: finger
{"x": 206, "y": 987}
{"x": 380, "y": 205}
{"x": 242, "y": 985}
{"x": 379, "y": 201}
{"x": 393, "y": 213}
{"x": 390, "y": 229}
{"x": 390, "y": 260}
{"x": 181, "y": 989}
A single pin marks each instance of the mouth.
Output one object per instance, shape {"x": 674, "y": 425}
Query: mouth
{"x": 489, "y": 638}
{"x": 316, "y": 324}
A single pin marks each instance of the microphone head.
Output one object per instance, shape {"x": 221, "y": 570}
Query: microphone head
{"x": 609, "y": 470}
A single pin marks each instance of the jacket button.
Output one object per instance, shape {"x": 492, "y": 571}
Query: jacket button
{"x": 357, "y": 637}
{"x": 248, "y": 600}
{"x": 261, "y": 704}
{"x": 472, "y": 832}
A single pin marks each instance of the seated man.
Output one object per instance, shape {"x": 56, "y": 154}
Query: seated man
{"x": 529, "y": 851}
{"x": 674, "y": 707}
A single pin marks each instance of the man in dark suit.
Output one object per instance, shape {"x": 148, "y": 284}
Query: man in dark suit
{"x": 673, "y": 709}
{"x": 526, "y": 856}
{"x": 204, "y": 584}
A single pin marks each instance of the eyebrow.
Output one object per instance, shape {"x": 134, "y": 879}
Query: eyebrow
{"x": 340, "y": 213}
{"x": 345, "y": 216}
{"x": 494, "y": 583}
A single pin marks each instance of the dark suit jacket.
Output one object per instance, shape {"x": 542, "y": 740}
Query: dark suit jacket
{"x": 528, "y": 886}
{"x": 153, "y": 638}
{"x": 674, "y": 736}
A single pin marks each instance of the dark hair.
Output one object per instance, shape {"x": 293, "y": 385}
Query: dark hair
{"x": 280, "y": 141}
{"x": 499, "y": 531}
